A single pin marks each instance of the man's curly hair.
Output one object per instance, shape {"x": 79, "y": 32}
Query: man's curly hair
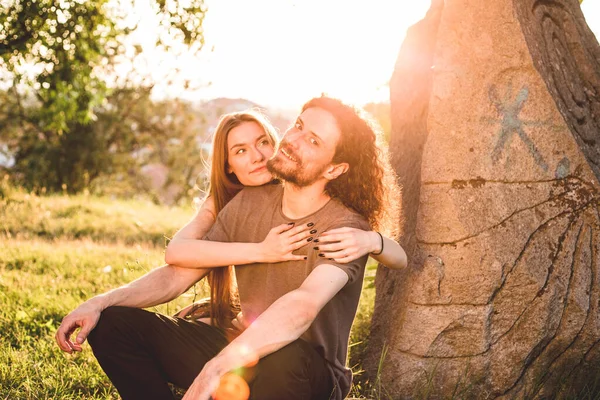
{"x": 369, "y": 187}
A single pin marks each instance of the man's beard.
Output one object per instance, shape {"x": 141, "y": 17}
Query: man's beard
{"x": 295, "y": 175}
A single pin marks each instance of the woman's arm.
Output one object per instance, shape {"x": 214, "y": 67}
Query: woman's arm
{"x": 187, "y": 250}
{"x": 201, "y": 222}
{"x": 346, "y": 244}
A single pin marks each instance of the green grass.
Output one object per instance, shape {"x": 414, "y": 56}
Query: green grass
{"x": 362, "y": 386}
{"x": 27, "y": 216}
{"x": 57, "y": 251}
{"x": 40, "y": 282}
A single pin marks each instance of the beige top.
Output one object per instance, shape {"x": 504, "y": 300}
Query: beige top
{"x": 248, "y": 218}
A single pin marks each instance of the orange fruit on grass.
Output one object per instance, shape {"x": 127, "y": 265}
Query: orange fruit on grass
{"x": 232, "y": 387}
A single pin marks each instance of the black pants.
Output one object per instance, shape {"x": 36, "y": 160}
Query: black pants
{"x": 141, "y": 352}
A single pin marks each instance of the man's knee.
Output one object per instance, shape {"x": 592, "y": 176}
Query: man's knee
{"x": 285, "y": 373}
{"x": 293, "y": 358}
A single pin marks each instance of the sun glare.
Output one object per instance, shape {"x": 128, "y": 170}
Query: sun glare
{"x": 281, "y": 52}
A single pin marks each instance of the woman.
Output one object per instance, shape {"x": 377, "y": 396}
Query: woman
{"x": 242, "y": 144}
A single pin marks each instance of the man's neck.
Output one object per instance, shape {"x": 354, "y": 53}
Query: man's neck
{"x": 298, "y": 202}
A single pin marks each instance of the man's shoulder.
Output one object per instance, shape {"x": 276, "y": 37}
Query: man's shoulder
{"x": 259, "y": 191}
{"x": 339, "y": 215}
{"x": 245, "y": 209}
{"x": 252, "y": 194}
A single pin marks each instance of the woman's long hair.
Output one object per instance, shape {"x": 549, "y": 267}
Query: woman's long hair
{"x": 370, "y": 186}
{"x": 224, "y": 300}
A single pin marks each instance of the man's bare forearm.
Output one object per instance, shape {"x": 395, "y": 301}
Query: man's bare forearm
{"x": 158, "y": 286}
{"x": 282, "y": 323}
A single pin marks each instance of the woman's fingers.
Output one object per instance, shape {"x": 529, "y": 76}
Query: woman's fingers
{"x": 333, "y": 254}
{"x": 334, "y": 237}
{"x": 294, "y": 257}
{"x": 295, "y": 234}
{"x": 336, "y": 231}
{"x": 185, "y": 311}
{"x": 298, "y": 244}
{"x": 344, "y": 260}
{"x": 329, "y": 247}
{"x": 341, "y": 256}
{"x": 282, "y": 228}
{"x": 335, "y": 242}
{"x": 300, "y": 239}
{"x": 237, "y": 325}
{"x": 302, "y": 235}
{"x": 297, "y": 230}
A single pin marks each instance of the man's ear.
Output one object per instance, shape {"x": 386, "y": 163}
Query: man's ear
{"x": 335, "y": 170}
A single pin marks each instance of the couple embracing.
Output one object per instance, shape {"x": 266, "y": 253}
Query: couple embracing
{"x": 298, "y": 219}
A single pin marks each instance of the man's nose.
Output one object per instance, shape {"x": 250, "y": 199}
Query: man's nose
{"x": 292, "y": 138}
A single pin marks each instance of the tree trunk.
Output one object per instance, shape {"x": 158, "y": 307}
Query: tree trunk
{"x": 495, "y": 121}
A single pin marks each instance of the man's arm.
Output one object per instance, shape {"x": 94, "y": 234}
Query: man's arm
{"x": 156, "y": 287}
{"x": 293, "y": 313}
{"x": 282, "y": 323}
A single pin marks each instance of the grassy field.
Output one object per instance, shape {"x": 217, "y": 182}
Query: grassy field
{"x": 57, "y": 251}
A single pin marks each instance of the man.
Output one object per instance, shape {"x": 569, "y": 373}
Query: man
{"x": 299, "y": 312}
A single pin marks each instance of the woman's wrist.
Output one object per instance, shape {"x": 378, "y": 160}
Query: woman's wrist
{"x": 373, "y": 242}
{"x": 259, "y": 253}
{"x": 377, "y": 243}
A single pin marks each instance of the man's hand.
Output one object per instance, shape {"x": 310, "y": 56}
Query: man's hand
{"x": 86, "y": 317}
{"x": 214, "y": 379}
{"x": 205, "y": 384}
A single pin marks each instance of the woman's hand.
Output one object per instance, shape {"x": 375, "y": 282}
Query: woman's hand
{"x": 347, "y": 244}
{"x": 239, "y": 322}
{"x": 198, "y": 310}
{"x": 283, "y": 240}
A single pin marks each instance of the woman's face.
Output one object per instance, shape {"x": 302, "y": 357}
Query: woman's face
{"x": 248, "y": 149}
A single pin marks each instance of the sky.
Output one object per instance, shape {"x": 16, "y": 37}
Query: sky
{"x": 279, "y": 53}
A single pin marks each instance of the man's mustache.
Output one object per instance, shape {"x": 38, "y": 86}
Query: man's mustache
{"x": 288, "y": 149}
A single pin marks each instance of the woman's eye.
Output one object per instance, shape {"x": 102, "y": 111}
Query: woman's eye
{"x": 298, "y": 126}
{"x": 313, "y": 141}
{"x": 264, "y": 143}
{"x": 240, "y": 151}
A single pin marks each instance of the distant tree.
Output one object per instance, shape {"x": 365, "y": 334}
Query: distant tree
{"x": 57, "y": 56}
{"x": 140, "y": 133}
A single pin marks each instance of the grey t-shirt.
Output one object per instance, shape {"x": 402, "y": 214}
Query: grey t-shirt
{"x": 249, "y": 217}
